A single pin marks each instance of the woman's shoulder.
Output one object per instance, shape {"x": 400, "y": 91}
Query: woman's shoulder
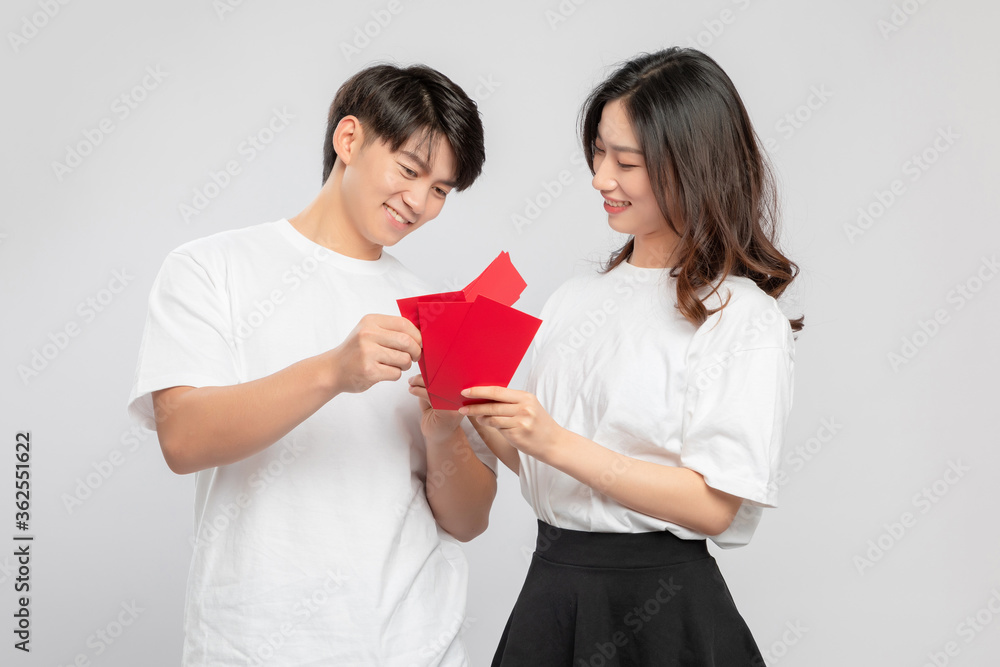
{"x": 743, "y": 295}
{"x": 581, "y": 283}
{"x": 745, "y": 318}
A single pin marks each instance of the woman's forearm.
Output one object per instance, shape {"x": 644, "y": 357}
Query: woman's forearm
{"x": 674, "y": 494}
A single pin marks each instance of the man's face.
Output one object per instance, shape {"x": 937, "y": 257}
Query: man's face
{"x": 388, "y": 194}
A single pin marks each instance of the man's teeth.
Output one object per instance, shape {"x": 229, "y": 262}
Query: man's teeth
{"x": 396, "y": 215}
{"x": 617, "y": 204}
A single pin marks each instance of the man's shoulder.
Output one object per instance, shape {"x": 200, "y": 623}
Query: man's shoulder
{"x": 405, "y": 278}
{"x": 230, "y": 240}
{"x": 214, "y": 252}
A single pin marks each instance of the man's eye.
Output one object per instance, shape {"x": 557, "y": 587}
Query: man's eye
{"x": 409, "y": 172}
{"x": 443, "y": 193}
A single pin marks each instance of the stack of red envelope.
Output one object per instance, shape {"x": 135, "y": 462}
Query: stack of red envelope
{"x": 471, "y": 338}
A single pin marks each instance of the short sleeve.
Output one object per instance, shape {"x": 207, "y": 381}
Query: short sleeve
{"x": 735, "y": 417}
{"x": 482, "y": 452}
{"x": 738, "y": 398}
{"x": 187, "y": 339}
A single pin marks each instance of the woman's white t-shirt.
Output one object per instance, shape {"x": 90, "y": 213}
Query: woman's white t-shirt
{"x": 321, "y": 549}
{"x": 617, "y": 363}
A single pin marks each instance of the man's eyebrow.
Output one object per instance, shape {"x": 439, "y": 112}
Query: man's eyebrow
{"x": 424, "y": 167}
{"x": 622, "y": 149}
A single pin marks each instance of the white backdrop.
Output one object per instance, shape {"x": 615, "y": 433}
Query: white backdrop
{"x": 118, "y": 118}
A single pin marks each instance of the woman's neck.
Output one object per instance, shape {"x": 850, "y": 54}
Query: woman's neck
{"x": 655, "y": 251}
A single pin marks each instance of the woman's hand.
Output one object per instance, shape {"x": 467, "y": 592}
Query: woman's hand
{"x": 519, "y": 418}
{"x": 436, "y": 425}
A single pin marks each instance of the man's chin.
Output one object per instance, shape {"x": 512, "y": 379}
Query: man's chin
{"x": 399, "y": 235}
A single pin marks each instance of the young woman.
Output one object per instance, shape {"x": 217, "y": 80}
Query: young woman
{"x": 660, "y": 387}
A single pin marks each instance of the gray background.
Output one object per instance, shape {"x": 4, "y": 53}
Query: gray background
{"x": 879, "y": 97}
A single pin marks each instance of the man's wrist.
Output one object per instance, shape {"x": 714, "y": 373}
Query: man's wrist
{"x": 440, "y": 438}
{"x": 328, "y": 374}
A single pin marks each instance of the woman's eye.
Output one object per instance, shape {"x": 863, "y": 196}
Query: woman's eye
{"x": 598, "y": 151}
{"x": 626, "y": 166}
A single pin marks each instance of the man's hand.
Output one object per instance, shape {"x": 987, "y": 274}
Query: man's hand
{"x": 380, "y": 348}
{"x": 436, "y": 425}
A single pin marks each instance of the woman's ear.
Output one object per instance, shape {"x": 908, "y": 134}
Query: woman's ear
{"x": 348, "y": 138}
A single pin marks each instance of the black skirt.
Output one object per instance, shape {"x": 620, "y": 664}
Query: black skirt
{"x": 616, "y": 599}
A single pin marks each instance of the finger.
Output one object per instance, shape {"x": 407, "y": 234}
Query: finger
{"x": 417, "y": 380}
{"x": 395, "y": 358}
{"x": 387, "y": 373}
{"x": 489, "y": 409}
{"x": 501, "y": 394}
{"x": 395, "y": 340}
{"x": 499, "y": 423}
{"x": 399, "y": 325}
{"x": 421, "y": 393}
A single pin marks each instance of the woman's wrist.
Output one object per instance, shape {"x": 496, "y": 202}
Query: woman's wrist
{"x": 559, "y": 451}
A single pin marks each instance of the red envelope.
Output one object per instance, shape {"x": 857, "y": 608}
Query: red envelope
{"x": 473, "y": 337}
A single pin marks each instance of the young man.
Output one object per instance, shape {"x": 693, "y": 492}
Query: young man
{"x": 324, "y": 491}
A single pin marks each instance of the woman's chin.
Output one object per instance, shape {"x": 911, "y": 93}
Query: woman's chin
{"x": 621, "y": 226}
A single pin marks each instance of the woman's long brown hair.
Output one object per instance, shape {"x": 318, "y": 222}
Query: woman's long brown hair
{"x": 712, "y": 182}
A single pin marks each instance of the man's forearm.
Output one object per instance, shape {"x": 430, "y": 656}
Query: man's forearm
{"x": 205, "y": 427}
{"x": 460, "y": 488}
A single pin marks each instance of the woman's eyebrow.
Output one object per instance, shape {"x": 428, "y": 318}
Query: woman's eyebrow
{"x": 621, "y": 149}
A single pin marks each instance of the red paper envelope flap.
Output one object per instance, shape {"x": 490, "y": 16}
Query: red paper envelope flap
{"x": 486, "y": 350}
{"x": 439, "y": 403}
{"x": 408, "y": 307}
{"x": 440, "y": 324}
{"x": 500, "y": 282}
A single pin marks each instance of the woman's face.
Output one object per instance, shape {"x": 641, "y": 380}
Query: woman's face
{"x": 621, "y": 176}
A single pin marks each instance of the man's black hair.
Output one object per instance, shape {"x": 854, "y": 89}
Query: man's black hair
{"x": 394, "y": 103}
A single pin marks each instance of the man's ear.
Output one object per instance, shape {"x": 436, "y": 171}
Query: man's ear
{"x": 348, "y": 138}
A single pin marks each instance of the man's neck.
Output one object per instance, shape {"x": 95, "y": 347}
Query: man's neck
{"x": 324, "y": 221}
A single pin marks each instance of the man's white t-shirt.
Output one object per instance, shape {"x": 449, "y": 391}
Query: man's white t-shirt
{"x": 616, "y": 362}
{"x": 321, "y": 549}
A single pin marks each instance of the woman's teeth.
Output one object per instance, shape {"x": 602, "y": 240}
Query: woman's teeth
{"x": 617, "y": 204}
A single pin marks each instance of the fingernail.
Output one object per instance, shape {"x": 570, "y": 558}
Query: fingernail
{"x": 464, "y": 411}
{"x": 466, "y": 392}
